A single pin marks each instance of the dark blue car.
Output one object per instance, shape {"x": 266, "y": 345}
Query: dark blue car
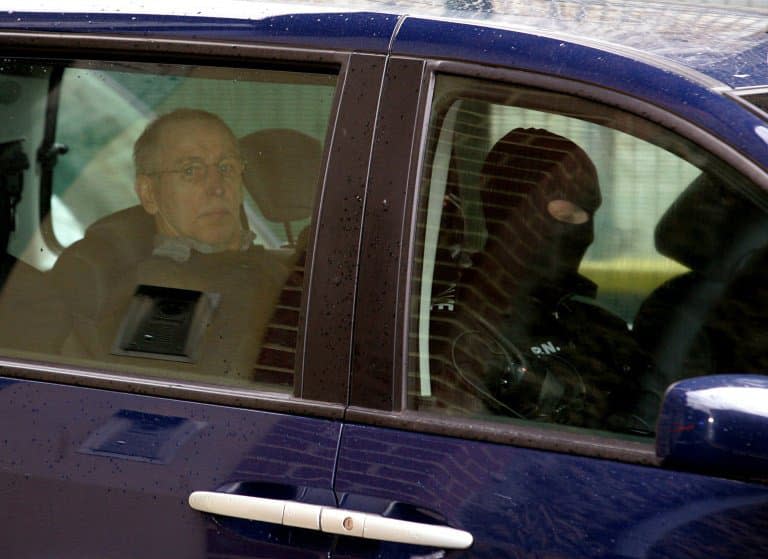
{"x": 459, "y": 279}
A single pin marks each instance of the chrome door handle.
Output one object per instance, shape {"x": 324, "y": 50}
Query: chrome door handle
{"x": 329, "y": 519}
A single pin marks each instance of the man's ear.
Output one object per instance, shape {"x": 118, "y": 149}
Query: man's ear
{"x": 145, "y": 190}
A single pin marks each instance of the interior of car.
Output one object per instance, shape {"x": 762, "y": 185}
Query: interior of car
{"x": 654, "y": 270}
{"x": 76, "y": 272}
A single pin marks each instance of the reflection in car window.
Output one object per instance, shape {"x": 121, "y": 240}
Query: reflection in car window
{"x": 573, "y": 261}
{"x": 102, "y": 110}
{"x": 180, "y": 199}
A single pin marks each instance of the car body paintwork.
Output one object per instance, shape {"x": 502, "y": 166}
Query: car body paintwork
{"x": 713, "y": 423}
{"x": 129, "y": 462}
{"x": 519, "y": 491}
{"x": 683, "y": 95}
{"x": 529, "y": 502}
{"x": 365, "y": 32}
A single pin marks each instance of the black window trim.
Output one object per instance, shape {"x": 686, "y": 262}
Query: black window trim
{"x": 85, "y": 377}
{"x": 396, "y": 415}
{"x": 320, "y": 395}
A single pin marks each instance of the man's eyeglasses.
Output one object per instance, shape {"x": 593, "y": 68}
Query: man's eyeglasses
{"x": 196, "y": 172}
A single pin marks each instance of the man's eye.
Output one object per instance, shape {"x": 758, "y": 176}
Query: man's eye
{"x": 227, "y": 168}
{"x": 192, "y": 171}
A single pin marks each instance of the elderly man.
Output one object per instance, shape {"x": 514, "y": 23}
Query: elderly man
{"x": 189, "y": 177}
{"x": 186, "y": 290}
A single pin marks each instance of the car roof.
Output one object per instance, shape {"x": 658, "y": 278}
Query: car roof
{"x": 725, "y": 44}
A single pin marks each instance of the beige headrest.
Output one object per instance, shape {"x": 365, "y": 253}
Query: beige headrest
{"x": 282, "y": 171}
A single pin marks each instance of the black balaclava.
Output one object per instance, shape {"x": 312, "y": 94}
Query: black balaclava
{"x": 535, "y": 253}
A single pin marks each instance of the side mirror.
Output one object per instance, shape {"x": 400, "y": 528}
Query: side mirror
{"x": 716, "y": 424}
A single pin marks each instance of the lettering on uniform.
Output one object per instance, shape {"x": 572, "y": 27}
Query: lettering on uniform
{"x": 547, "y": 348}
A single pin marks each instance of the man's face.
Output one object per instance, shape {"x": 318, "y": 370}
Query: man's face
{"x": 195, "y": 189}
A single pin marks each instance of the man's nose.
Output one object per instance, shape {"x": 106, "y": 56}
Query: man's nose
{"x": 215, "y": 185}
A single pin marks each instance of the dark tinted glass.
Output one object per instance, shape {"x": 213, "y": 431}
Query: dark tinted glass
{"x": 574, "y": 260}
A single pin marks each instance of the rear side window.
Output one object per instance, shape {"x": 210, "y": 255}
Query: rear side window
{"x": 102, "y": 109}
{"x": 573, "y": 260}
{"x": 163, "y": 216}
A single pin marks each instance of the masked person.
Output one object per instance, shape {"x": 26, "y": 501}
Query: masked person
{"x": 529, "y": 338}
{"x": 177, "y": 283}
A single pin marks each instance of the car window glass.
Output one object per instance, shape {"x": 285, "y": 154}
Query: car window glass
{"x": 573, "y": 260}
{"x": 164, "y": 216}
{"x": 101, "y": 110}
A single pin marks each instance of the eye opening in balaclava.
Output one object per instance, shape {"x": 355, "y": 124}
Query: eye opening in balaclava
{"x": 540, "y": 192}
{"x": 566, "y": 211}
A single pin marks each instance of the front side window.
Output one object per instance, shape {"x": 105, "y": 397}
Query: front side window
{"x": 573, "y": 260}
{"x": 163, "y": 216}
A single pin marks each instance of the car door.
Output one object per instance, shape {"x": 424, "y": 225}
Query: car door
{"x": 229, "y": 379}
{"x": 523, "y": 421}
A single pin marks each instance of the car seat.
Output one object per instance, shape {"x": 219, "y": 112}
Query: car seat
{"x": 688, "y": 325}
{"x": 282, "y": 171}
{"x": 282, "y": 175}
{"x": 280, "y": 163}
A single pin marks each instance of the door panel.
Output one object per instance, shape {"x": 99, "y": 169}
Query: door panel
{"x": 528, "y": 503}
{"x": 100, "y": 450}
{"x": 107, "y": 474}
{"x": 523, "y": 502}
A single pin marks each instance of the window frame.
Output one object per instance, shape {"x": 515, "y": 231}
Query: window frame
{"x": 321, "y": 382}
{"x": 394, "y": 413}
